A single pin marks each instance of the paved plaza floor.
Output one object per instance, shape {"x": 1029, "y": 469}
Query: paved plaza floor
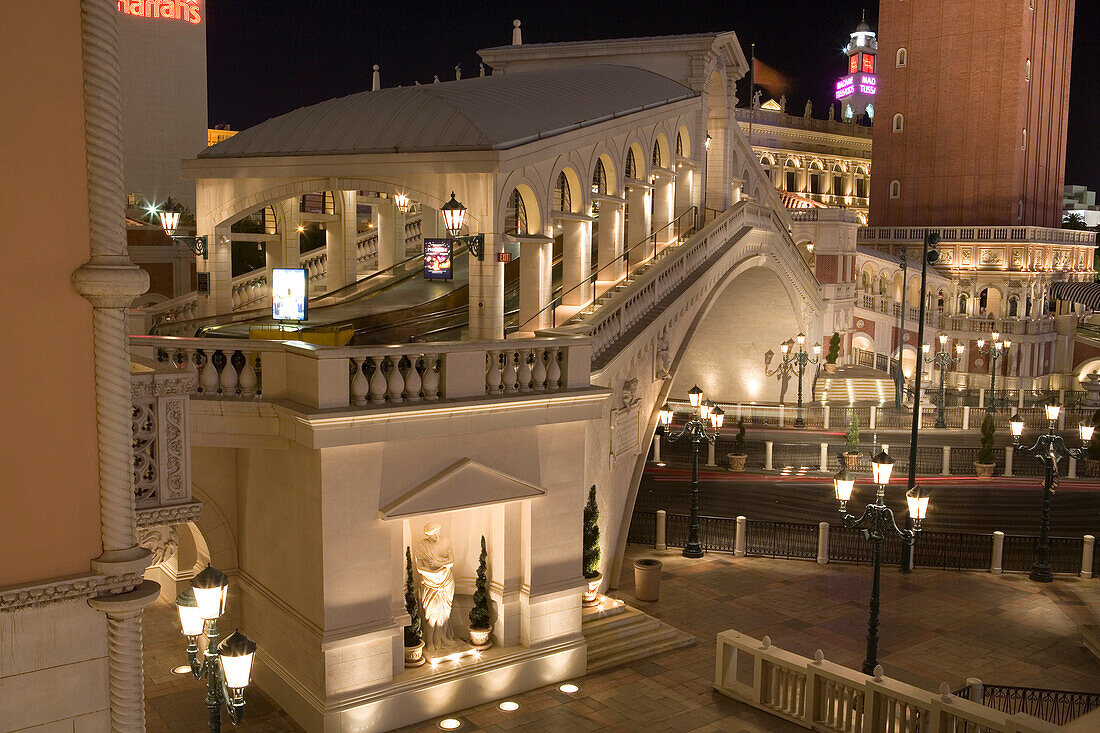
{"x": 936, "y": 626}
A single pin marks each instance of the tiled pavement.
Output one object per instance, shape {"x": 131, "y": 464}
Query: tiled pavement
{"x": 936, "y": 626}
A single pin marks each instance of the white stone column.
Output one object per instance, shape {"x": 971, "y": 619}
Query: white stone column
{"x": 719, "y": 159}
{"x": 391, "y": 234}
{"x": 124, "y": 660}
{"x": 506, "y": 571}
{"x": 576, "y": 258}
{"x": 664, "y": 195}
{"x": 287, "y": 251}
{"x": 638, "y": 222}
{"x": 218, "y": 264}
{"x": 340, "y": 243}
{"x": 487, "y": 294}
{"x": 686, "y": 180}
{"x": 610, "y": 238}
{"x": 536, "y": 258}
{"x": 431, "y": 223}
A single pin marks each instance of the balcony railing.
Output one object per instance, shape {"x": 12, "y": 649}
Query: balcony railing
{"x": 1038, "y": 235}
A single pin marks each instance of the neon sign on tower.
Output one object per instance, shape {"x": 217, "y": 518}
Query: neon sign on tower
{"x": 169, "y": 9}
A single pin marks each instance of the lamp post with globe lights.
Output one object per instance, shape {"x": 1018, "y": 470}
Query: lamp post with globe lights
{"x": 795, "y": 363}
{"x": 705, "y": 422}
{"x": 1049, "y": 448}
{"x": 996, "y": 349}
{"x": 943, "y": 359}
{"x": 227, "y": 666}
{"x": 875, "y": 523}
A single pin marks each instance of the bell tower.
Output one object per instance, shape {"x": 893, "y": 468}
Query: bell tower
{"x": 856, "y": 90}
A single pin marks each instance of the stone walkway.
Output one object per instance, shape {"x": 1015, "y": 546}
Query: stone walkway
{"x": 936, "y": 626}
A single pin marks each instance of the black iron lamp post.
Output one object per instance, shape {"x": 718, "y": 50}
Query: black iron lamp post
{"x": 170, "y": 221}
{"x": 796, "y": 362}
{"x": 705, "y": 422}
{"x": 454, "y": 216}
{"x": 997, "y": 348}
{"x": 944, "y": 360}
{"x": 875, "y": 523}
{"x": 1049, "y": 448}
{"x": 227, "y": 666}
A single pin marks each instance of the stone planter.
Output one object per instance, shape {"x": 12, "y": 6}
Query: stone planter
{"x": 479, "y": 638}
{"x": 830, "y": 368}
{"x": 984, "y": 470}
{"x": 853, "y": 461}
{"x": 414, "y": 655}
{"x": 736, "y": 461}
{"x": 647, "y": 579}
{"x": 591, "y": 597}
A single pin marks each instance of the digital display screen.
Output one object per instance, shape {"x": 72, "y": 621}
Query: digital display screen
{"x": 868, "y": 63}
{"x": 437, "y": 259}
{"x": 289, "y": 294}
{"x": 853, "y": 63}
{"x": 846, "y": 87}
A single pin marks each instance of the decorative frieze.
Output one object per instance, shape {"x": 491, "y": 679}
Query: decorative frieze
{"x": 67, "y": 589}
{"x": 176, "y": 514}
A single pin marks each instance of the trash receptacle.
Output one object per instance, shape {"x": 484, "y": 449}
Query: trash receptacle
{"x": 647, "y": 579}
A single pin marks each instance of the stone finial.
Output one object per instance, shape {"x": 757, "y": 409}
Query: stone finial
{"x": 375, "y": 80}
{"x": 766, "y": 642}
{"x": 945, "y": 692}
{"x": 517, "y": 34}
{"x": 819, "y": 657}
{"x": 878, "y": 673}
{"x": 458, "y": 71}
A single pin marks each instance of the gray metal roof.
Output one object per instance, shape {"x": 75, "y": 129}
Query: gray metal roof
{"x": 479, "y": 113}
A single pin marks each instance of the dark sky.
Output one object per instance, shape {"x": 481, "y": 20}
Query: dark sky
{"x": 266, "y": 57}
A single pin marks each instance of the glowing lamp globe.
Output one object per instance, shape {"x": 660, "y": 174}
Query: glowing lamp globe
{"x": 943, "y": 339}
{"x": 188, "y": 608}
{"x": 1052, "y": 411}
{"x": 1016, "y": 425}
{"x": 817, "y": 349}
{"x": 784, "y": 348}
{"x": 170, "y": 221}
{"x": 801, "y": 338}
{"x": 981, "y": 343}
{"x": 705, "y": 408}
{"x": 402, "y": 202}
{"x": 454, "y": 216}
{"x": 717, "y": 417}
{"x": 959, "y": 349}
{"x": 236, "y": 653}
{"x": 996, "y": 335}
{"x": 664, "y": 415}
{"x": 210, "y": 587}
{"x": 1086, "y": 429}
{"x": 695, "y": 395}
{"x": 1008, "y": 343}
{"x": 918, "y": 505}
{"x": 843, "y": 484}
{"x": 925, "y": 348}
{"x": 882, "y": 465}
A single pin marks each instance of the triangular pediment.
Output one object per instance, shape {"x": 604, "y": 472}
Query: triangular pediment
{"x": 463, "y": 484}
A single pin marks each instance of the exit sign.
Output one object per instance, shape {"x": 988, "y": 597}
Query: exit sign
{"x": 504, "y": 256}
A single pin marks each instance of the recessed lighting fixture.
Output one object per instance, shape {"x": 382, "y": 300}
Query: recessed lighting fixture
{"x": 450, "y": 724}
{"x": 508, "y": 706}
{"x": 182, "y": 669}
{"x": 568, "y": 688}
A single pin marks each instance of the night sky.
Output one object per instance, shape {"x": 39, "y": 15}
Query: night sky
{"x": 267, "y": 57}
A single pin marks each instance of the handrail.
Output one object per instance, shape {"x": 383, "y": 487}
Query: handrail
{"x": 625, "y": 256}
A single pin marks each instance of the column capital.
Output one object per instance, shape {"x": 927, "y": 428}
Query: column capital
{"x": 127, "y": 605}
{"x": 110, "y": 281}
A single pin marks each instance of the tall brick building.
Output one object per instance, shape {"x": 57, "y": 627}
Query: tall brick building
{"x": 972, "y": 102}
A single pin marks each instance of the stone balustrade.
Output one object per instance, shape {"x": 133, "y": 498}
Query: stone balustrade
{"x": 820, "y": 695}
{"x": 1036, "y": 235}
{"x": 371, "y": 376}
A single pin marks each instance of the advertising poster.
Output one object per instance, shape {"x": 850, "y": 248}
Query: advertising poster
{"x": 289, "y": 294}
{"x": 437, "y": 259}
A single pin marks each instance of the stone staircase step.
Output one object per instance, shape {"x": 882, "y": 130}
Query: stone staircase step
{"x": 620, "y": 635}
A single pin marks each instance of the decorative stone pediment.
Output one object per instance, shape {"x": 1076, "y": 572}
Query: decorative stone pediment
{"x": 463, "y": 484}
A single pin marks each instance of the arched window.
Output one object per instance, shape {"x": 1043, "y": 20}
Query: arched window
{"x": 895, "y": 189}
{"x": 657, "y": 163}
{"x": 902, "y": 58}
{"x": 790, "y": 170}
{"x": 899, "y": 123}
{"x": 515, "y": 218}
{"x": 599, "y": 178}
{"x": 839, "y": 188}
{"x": 1013, "y": 307}
{"x": 1027, "y": 70}
{"x": 1023, "y": 140}
{"x": 962, "y": 304}
{"x": 865, "y": 282}
{"x": 630, "y": 170}
{"x": 679, "y": 146}
{"x": 940, "y": 301}
{"x": 1027, "y": 307}
{"x": 563, "y": 197}
{"x": 861, "y": 183}
{"x": 817, "y": 178}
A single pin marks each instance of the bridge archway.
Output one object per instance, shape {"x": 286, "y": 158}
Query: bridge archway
{"x": 726, "y": 348}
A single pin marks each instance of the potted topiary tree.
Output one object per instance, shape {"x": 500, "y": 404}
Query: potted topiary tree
{"x": 986, "y": 462}
{"x": 414, "y": 635}
{"x": 833, "y": 355}
{"x": 592, "y": 575}
{"x": 852, "y": 456}
{"x": 738, "y": 457}
{"x": 480, "y": 628}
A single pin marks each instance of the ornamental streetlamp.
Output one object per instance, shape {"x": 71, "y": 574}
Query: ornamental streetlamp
{"x": 454, "y": 216}
{"x": 402, "y": 202}
{"x": 796, "y": 363}
{"x": 942, "y": 359}
{"x": 996, "y": 349}
{"x": 1049, "y": 448}
{"x": 227, "y": 666}
{"x": 704, "y": 413}
{"x": 875, "y": 522}
{"x": 170, "y": 221}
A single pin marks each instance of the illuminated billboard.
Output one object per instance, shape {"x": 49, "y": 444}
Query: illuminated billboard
{"x": 867, "y": 84}
{"x": 187, "y": 10}
{"x": 868, "y": 65}
{"x": 845, "y": 87}
{"x": 437, "y": 259}
{"x": 289, "y": 294}
{"x": 853, "y": 63}
{"x": 849, "y": 85}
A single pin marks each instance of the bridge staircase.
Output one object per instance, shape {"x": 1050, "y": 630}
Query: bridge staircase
{"x": 854, "y": 386}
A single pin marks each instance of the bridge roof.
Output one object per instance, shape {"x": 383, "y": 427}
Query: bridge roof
{"x": 479, "y": 113}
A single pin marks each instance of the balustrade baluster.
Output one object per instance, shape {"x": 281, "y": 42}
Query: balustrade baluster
{"x": 377, "y": 382}
{"x": 430, "y": 378}
{"x": 523, "y": 373}
{"x": 208, "y": 380}
{"x": 395, "y": 384}
{"x": 360, "y": 387}
{"x": 248, "y": 379}
{"x": 508, "y": 376}
{"x": 553, "y": 368}
{"x": 538, "y": 374}
{"x": 492, "y": 373}
{"x": 412, "y": 380}
{"x": 227, "y": 384}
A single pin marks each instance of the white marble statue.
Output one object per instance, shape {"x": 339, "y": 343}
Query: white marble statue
{"x": 435, "y": 563}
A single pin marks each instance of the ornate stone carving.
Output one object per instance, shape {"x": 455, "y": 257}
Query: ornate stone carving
{"x": 629, "y": 393}
{"x": 947, "y": 256}
{"x": 662, "y": 359}
{"x": 435, "y": 564}
{"x": 176, "y": 514}
{"x": 991, "y": 257}
{"x": 145, "y": 459}
{"x": 85, "y": 586}
{"x": 174, "y": 449}
{"x": 1016, "y": 259}
{"x": 964, "y": 257}
{"x": 161, "y": 541}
